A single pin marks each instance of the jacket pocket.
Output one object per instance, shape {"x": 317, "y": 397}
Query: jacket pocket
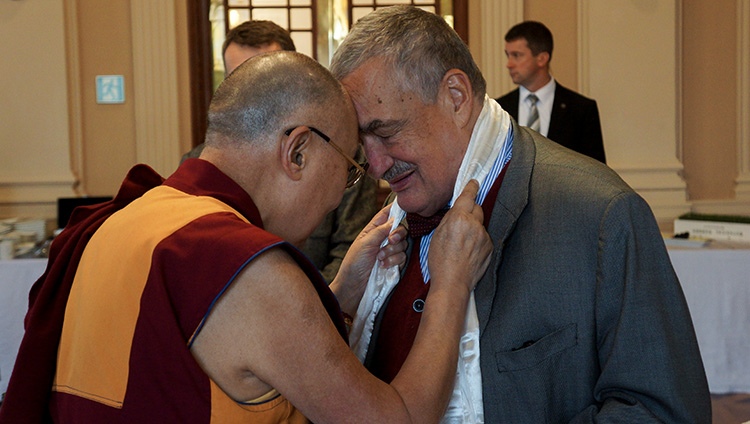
{"x": 536, "y": 352}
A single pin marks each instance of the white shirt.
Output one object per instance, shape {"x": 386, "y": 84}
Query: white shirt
{"x": 546, "y": 96}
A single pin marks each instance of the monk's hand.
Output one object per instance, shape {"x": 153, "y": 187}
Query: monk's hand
{"x": 351, "y": 280}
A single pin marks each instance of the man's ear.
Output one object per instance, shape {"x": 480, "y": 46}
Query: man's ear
{"x": 542, "y": 59}
{"x": 293, "y": 152}
{"x": 460, "y": 95}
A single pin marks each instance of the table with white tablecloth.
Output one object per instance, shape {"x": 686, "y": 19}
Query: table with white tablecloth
{"x": 716, "y": 282}
{"x": 16, "y": 278}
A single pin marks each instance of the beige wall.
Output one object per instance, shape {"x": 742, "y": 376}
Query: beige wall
{"x": 668, "y": 80}
{"x": 57, "y": 141}
{"x": 34, "y": 139}
{"x": 709, "y": 107}
{"x": 561, "y": 18}
{"x": 105, "y": 48}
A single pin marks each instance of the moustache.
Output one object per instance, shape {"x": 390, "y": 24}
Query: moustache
{"x": 397, "y": 169}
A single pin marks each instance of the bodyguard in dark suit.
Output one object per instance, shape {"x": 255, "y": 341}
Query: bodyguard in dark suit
{"x": 564, "y": 116}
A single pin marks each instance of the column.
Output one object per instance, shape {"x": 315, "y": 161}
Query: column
{"x": 498, "y": 16}
{"x": 742, "y": 189}
{"x": 155, "y": 85}
{"x": 630, "y": 63}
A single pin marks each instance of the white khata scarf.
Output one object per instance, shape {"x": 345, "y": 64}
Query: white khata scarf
{"x": 488, "y": 152}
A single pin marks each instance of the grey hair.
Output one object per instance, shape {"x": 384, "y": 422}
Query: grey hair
{"x": 420, "y": 47}
{"x": 264, "y": 94}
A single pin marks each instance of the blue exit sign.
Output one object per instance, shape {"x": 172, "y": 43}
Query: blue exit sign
{"x": 110, "y": 89}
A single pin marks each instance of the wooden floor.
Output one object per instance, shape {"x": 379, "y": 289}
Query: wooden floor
{"x": 731, "y": 409}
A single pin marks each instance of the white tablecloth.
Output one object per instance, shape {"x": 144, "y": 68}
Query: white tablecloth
{"x": 16, "y": 278}
{"x": 716, "y": 283}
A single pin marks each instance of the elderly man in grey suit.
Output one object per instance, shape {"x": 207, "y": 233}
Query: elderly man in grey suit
{"x": 542, "y": 103}
{"x": 581, "y": 317}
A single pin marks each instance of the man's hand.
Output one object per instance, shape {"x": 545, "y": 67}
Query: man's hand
{"x": 460, "y": 248}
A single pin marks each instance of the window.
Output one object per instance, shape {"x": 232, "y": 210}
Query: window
{"x": 316, "y": 26}
{"x": 359, "y": 8}
{"x": 298, "y": 16}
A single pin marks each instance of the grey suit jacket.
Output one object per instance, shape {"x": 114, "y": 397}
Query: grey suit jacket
{"x": 581, "y": 315}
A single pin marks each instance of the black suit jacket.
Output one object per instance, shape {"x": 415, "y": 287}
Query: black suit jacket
{"x": 574, "y": 122}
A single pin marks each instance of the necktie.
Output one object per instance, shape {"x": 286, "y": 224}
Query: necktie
{"x": 533, "y": 121}
{"x": 420, "y": 226}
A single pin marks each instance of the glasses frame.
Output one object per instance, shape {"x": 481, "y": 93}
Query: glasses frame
{"x": 356, "y": 170}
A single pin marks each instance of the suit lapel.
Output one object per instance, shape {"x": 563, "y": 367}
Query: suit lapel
{"x": 511, "y": 201}
{"x": 559, "y": 111}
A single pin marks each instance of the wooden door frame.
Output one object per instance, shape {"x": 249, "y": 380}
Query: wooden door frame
{"x": 461, "y": 19}
{"x": 201, "y": 67}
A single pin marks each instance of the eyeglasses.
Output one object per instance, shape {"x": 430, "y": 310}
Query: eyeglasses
{"x": 356, "y": 171}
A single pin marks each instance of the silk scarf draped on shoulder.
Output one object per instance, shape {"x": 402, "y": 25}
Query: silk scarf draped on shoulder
{"x": 488, "y": 152}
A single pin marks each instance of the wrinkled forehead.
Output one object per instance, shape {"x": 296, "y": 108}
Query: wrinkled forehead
{"x": 376, "y": 93}
{"x": 372, "y": 75}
